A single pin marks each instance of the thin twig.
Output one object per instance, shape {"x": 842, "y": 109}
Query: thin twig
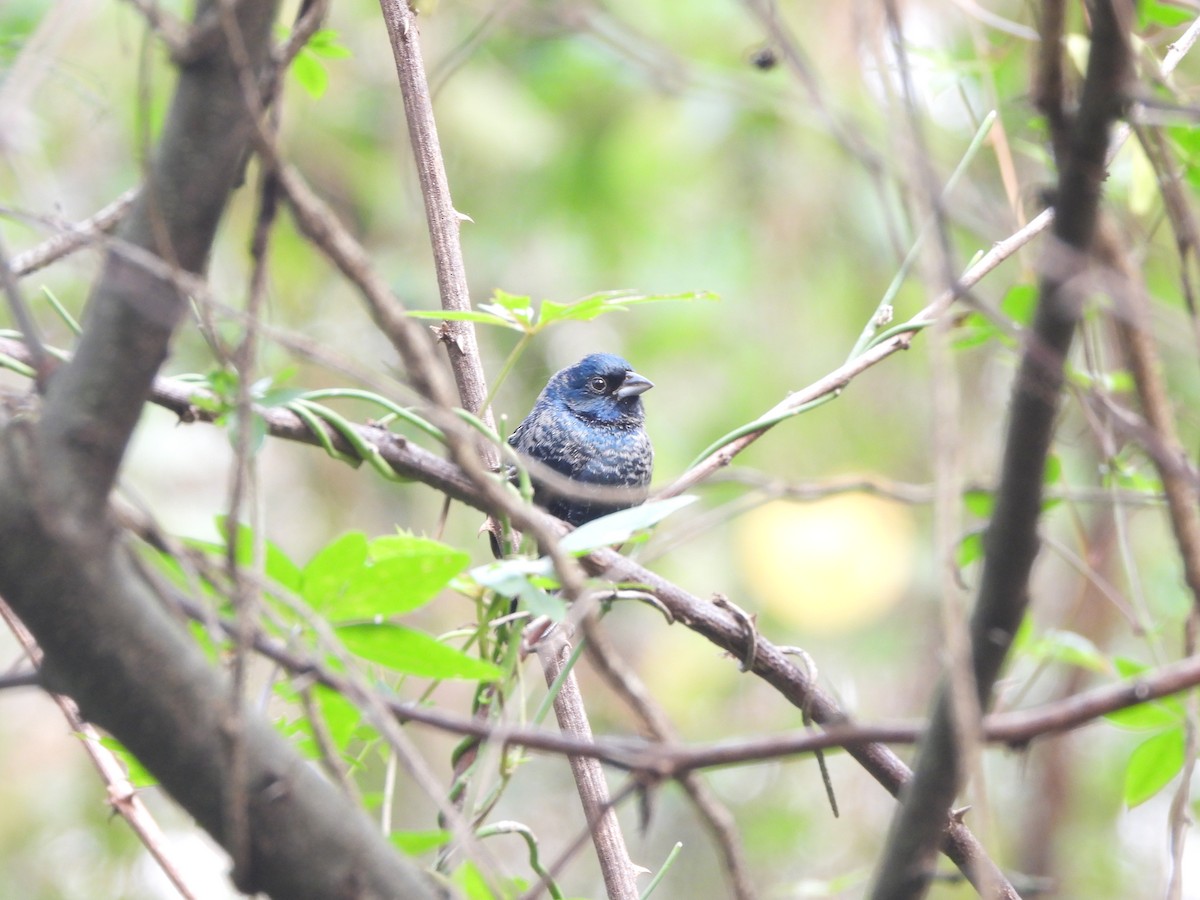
{"x": 73, "y": 236}
{"x": 619, "y": 871}
{"x": 918, "y": 829}
{"x": 608, "y": 663}
{"x": 657, "y": 760}
{"x": 121, "y": 793}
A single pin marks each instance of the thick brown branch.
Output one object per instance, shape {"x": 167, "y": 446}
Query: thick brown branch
{"x": 109, "y": 640}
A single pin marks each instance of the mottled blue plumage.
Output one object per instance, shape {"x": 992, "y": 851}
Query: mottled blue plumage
{"x": 587, "y": 424}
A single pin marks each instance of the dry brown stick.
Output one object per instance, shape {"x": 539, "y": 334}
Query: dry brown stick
{"x": 444, "y": 220}
{"x": 72, "y": 237}
{"x": 657, "y": 760}
{"x": 620, "y": 873}
{"x": 1134, "y": 327}
{"x": 121, "y": 792}
{"x": 608, "y": 663}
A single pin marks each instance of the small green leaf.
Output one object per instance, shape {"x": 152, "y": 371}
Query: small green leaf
{"x": 310, "y": 73}
{"x": 1069, "y": 648}
{"x": 1152, "y": 765}
{"x": 279, "y": 396}
{"x": 326, "y": 575}
{"x": 468, "y": 315}
{"x": 514, "y": 303}
{"x": 414, "y": 843}
{"x": 970, "y": 549}
{"x": 342, "y": 719}
{"x": 1020, "y": 303}
{"x": 139, "y": 775}
{"x": 414, "y": 652}
{"x": 598, "y": 304}
{"x": 1024, "y": 637}
{"x": 618, "y": 527}
{"x": 1128, "y": 668}
{"x": 541, "y": 603}
{"x": 324, "y": 43}
{"x": 1151, "y": 716}
{"x": 507, "y": 576}
{"x": 471, "y": 883}
{"x": 396, "y": 585}
{"x": 979, "y": 503}
{"x": 973, "y": 330}
{"x": 1053, "y": 472}
{"x": 397, "y": 574}
{"x": 1165, "y": 14}
{"x": 276, "y": 564}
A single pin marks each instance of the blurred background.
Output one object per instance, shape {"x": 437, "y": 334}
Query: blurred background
{"x": 759, "y": 151}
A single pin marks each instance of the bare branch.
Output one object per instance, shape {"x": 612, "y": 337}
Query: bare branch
{"x": 620, "y": 874}
{"x": 444, "y": 220}
{"x": 919, "y": 826}
{"x": 109, "y": 641}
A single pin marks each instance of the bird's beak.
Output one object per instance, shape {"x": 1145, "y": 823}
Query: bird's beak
{"x": 633, "y": 385}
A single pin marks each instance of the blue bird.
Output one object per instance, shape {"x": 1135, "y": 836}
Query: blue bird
{"x": 588, "y": 425}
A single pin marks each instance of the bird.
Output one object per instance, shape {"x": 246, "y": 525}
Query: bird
{"x": 588, "y": 424}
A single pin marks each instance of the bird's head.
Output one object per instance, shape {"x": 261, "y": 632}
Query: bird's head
{"x": 602, "y": 388}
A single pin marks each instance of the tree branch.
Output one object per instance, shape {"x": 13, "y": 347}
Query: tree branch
{"x": 919, "y": 827}
{"x": 109, "y": 640}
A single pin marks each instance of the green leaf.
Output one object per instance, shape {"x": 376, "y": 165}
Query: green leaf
{"x": 387, "y": 577}
{"x": 507, "y": 576}
{"x": 541, "y": 603}
{"x": 618, "y": 527}
{"x": 414, "y": 652}
{"x": 979, "y": 503}
{"x": 414, "y": 843}
{"x": 342, "y": 720}
{"x": 468, "y": 315}
{"x": 598, "y": 304}
{"x": 1165, "y": 14}
{"x": 973, "y": 330}
{"x": 276, "y": 564}
{"x": 473, "y": 885}
{"x": 1020, "y": 303}
{"x": 970, "y": 549}
{"x": 518, "y": 304}
{"x": 1152, "y": 765}
{"x": 1024, "y": 637}
{"x": 1069, "y": 648}
{"x": 1128, "y": 668}
{"x": 326, "y": 575}
{"x": 139, "y": 775}
{"x": 324, "y": 43}
{"x": 525, "y": 580}
{"x": 1053, "y": 472}
{"x": 310, "y": 73}
{"x": 406, "y": 573}
{"x": 1149, "y": 716}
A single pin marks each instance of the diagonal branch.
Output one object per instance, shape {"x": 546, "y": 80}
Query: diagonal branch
{"x": 919, "y": 827}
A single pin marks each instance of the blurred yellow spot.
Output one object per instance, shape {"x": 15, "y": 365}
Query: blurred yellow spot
{"x": 830, "y": 566}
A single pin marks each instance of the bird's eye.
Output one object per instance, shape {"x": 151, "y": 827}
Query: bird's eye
{"x": 598, "y": 384}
